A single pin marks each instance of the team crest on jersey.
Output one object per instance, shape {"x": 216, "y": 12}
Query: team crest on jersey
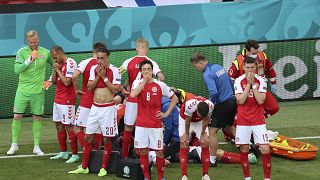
{"x": 137, "y": 66}
{"x": 154, "y": 89}
{"x": 41, "y": 56}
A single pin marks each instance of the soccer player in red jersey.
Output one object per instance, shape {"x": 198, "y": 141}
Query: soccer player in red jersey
{"x": 250, "y": 91}
{"x": 149, "y": 130}
{"x": 194, "y": 117}
{"x": 264, "y": 69}
{"x": 105, "y": 80}
{"x": 132, "y": 67}
{"x": 64, "y": 101}
{"x": 86, "y": 96}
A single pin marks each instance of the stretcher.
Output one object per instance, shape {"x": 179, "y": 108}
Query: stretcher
{"x": 292, "y": 148}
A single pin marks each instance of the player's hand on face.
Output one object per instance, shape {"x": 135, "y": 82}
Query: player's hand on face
{"x": 56, "y": 66}
{"x": 184, "y": 138}
{"x": 250, "y": 77}
{"x": 101, "y": 72}
{"x": 34, "y": 55}
{"x": 147, "y": 77}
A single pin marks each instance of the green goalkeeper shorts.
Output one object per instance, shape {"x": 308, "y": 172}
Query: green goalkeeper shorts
{"x": 22, "y": 100}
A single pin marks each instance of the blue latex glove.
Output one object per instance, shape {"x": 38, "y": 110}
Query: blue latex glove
{"x": 274, "y": 88}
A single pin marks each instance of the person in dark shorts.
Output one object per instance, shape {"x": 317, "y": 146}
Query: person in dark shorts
{"x": 221, "y": 93}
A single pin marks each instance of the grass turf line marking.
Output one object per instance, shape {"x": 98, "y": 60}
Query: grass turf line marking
{"x": 52, "y": 154}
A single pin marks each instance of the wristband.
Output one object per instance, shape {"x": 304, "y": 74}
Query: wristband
{"x": 105, "y": 79}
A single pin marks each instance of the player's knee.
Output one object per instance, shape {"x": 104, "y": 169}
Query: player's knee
{"x": 143, "y": 151}
{"x": 128, "y": 128}
{"x": 17, "y": 116}
{"x": 88, "y": 138}
{"x": 265, "y": 149}
{"x": 36, "y": 118}
{"x": 183, "y": 144}
{"x": 244, "y": 148}
{"x": 159, "y": 154}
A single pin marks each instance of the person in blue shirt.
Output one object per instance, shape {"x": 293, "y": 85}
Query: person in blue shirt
{"x": 221, "y": 93}
{"x": 171, "y": 122}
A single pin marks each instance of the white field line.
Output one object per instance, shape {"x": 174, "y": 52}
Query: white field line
{"x": 53, "y": 154}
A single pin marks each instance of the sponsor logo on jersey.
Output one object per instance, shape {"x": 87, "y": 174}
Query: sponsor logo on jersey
{"x": 41, "y": 56}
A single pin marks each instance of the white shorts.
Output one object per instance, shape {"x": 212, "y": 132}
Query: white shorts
{"x": 195, "y": 127}
{"x": 63, "y": 113}
{"x": 148, "y": 138}
{"x": 82, "y": 116}
{"x": 103, "y": 118}
{"x": 130, "y": 114}
{"x": 243, "y": 134}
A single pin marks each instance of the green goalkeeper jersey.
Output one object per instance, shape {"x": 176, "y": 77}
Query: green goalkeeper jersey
{"x": 31, "y": 76}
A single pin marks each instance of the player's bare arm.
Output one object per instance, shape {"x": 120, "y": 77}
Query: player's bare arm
{"x": 75, "y": 83}
{"x": 241, "y": 98}
{"x": 260, "y": 97}
{"x": 65, "y": 81}
{"x": 93, "y": 84}
{"x": 113, "y": 88}
{"x": 160, "y": 76}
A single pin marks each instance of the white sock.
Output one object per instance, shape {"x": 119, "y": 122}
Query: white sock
{"x": 14, "y": 144}
{"x": 213, "y": 159}
{"x": 247, "y": 178}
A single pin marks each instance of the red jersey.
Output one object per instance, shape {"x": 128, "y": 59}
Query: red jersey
{"x": 84, "y": 67}
{"x": 112, "y": 73}
{"x": 149, "y": 103}
{"x": 250, "y": 113}
{"x": 132, "y": 66}
{"x": 189, "y": 108}
{"x": 264, "y": 66}
{"x": 66, "y": 95}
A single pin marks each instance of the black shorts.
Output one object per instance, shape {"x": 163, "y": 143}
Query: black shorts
{"x": 224, "y": 113}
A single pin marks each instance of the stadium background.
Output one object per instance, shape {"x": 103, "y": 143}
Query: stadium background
{"x": 179, "y": 73}
{"x": 289, "y": 29}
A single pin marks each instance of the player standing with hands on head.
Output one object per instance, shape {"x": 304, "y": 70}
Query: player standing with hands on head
{"x": 30, "y": 64}
{"x": 250, "y": 90}
{"x": 64, "y": 103}
{"x": 132, "y": 66}
{"x": 149, "y": 130}
{"x": 220, "y": 88}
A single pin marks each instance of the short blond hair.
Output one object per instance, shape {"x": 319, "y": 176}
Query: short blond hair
{"x": 142, "y": 41}
{"x": 31, "y": 34}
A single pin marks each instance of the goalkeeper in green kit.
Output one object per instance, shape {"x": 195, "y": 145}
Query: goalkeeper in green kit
{"x": 30, "y": 64}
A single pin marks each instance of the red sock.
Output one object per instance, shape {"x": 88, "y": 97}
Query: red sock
{"x": 80, "y": 137}
{"x": 160, "y": 167}
{"x": 86, "y": 154}
{"x": 266, "y": 163}
{"x": 245, "y": 164}
{"x": 183, "y": 158}
{"x": 62, "y": 139}
{"x": 144, "y": 163}
{"x": 73, "y": 142}
{"x": 97, "y": 142}
{"x": 205, "y": 159}
{"x": 106, "y": 154}
{"x": 230, "y": 158}
{"x": 126, "y": 143}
